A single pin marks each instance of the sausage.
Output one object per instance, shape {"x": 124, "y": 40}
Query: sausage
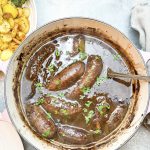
{"x": 37, "y": 61}
{"x": 40, "y": 122}
{"x": 94, "y": 69}
{"x": 115, "y": 118}
{"x": 67, "y": 77}
{"x": 60, "y": 106}
{"x": 78, "y": 45}
{"x": 74, "y": 135}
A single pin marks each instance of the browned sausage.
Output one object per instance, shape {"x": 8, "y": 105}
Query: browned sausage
{"x": 78, "y": 45}
{"x": 40, "y": 122}
{"x": 60, "y": 106}
{"x": 115, "y": 118}
{"x": 74, "y": 135}
{"x": 37, "y": 60}
{"x": 67, "y": 77}
{"x": 94, "y": 68}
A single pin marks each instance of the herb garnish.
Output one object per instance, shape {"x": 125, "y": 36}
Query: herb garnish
{"x": 46, "y": 133}
{"x": 61, "y": 95}
{"x": 57, "y": 82}
{"x": 51, "y": 68}
{"x": 88, "y": 103}
{"x": 85, "y": 110}
{"x": 85, "y": 90}
{"x": 89, "y": 116}
{"x": 40, "y": 101}
{"x": 97, "y": 131}
{"x": 49, "y": 116}
{"x": 83, "y": 55}
{"x": 101, "y": 107}
{"x": 57, "y": 53}
{"x": 100, "y": 80}
{"x": 38, "y": 86}
{"x": 64, "y": 111}
{"x": 116, "y": 57}
{"x": 48, "y": 94}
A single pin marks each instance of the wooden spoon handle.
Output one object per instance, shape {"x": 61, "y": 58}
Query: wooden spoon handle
{"x": 113, "y": 74}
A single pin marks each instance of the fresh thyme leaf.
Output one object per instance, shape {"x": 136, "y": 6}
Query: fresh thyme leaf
{"x": 102, "y": 106}
{"x": 18, "y": 3}
{"x": 83, "y": 55}
{"x": 49, "y": 116}
{"x": 38, "y": 86}
{"x": 61, "y": 95}
{"x": 57, "y": 53}
{"x": 64, "y": 111}
{"x": 82, "y": 96}
{"x": 100, "y": 80}
{"x": 116, "y": 57}
{"x": 46, "y": 133}
{"x": 85, "y": 90}
{"x": 51, "y": 68}
{"x": 85, "y": 110}
{"x": 88, "y": 103}
{"x": 97, "y": 131}
{"x": 58, "y": 82}
{"x": 89, "y": 116}
{"x": 48, "y": 94}
{"x": 40, "y": 101}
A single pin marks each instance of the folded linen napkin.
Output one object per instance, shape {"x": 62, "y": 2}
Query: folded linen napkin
{"x": 140, "y": 21}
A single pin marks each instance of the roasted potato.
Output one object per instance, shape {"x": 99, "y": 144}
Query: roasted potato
{"x": 6, "y": 54}
{"x": 5, "y": 27}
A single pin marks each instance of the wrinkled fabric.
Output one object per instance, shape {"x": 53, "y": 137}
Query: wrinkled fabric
{"x": 140, "y": 21}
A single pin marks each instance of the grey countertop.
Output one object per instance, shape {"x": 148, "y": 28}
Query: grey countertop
{"x": 114, "y": 12}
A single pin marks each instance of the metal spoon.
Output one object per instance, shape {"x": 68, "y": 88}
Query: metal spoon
{"x": 112, "y": 74}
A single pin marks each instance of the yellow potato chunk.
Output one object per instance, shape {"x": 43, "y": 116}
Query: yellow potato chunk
{"x": 13, "y": 46}
{"x": 6, "y": 54}
{"x": 11, "y": 22}
{"x": 3, "y": 2}
{"x": 4, "y": 27}
{"x": 3, "y": 45}
{"x": 20, "y": 12}
{"x": 23, "y": 23}
{"x": 6, "y": 37}
{"x": 1, "y": 20}
{"x": 26, "y": 12}
{"x": 9, "y": 8}
{"x": 20, "y": 36}
{"x": 1, "y": 12}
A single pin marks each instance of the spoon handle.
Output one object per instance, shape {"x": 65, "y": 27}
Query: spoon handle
{"x": 113, "y": 74}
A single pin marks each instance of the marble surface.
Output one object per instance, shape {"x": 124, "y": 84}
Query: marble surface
{"x": 114, "y": 12}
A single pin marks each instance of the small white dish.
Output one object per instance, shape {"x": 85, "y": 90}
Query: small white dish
{"x": 33, "y": 23}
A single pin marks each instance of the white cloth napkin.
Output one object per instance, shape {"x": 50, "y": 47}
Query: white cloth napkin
{"x": 140, "y": 21}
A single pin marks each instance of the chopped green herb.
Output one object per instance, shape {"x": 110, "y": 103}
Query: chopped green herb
{"x": 61, "y": 95}
{"x": 89, "y": 116}
{"x": 88, "y": 103}
{"x": 85, "y": 90}
{"x": 116, "y": 57}
{"x": 18, "y": 3}
{"x": 57, "y": 53}
{"x": 51, "y": 68}
{"x": 100, "y": 107}
{"x": 85, "y": 110}
{"x": 83, "y": 55}
{"x": 40, "y": 101}
{"x": 82, "y": 96}
{"x": 49, "y": 116}
{"x": 57, "y": 82}
{"x": 46, "y": 133}
{"x": 48, "y": 94}
{"x": 39, "y": 86}
{"x": 64, "y": 111}
{"x": 97, "y": 131}
{"x": 100, "y": 80}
